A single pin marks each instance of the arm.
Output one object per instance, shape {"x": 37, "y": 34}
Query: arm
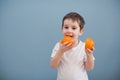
{"x": 55, "y": 61}
{"x": 89, "y": 63}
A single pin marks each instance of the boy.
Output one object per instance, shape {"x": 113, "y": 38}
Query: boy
{"x": 72, "y": 61}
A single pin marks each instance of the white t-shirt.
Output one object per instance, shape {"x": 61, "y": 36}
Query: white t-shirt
{"x": 72, "y": 63}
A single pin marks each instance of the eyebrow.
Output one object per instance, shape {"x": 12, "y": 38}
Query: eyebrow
{"x": 65, "y": 25}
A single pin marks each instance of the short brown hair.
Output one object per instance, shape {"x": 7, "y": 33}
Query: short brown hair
{"x": 75, "y": 17}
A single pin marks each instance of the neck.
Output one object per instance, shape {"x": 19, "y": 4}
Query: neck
{"x": 76, "y": 42}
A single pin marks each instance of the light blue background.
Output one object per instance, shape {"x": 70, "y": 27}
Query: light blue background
{"x": 29, "y": 30}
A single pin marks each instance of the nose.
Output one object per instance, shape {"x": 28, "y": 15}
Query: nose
{"x": 70, "y": 30}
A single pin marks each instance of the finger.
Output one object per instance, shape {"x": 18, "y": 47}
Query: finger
{"x": 66, "y": 43}
{"x": 89, "y": 50}
{"x": 69, "y": 44}
{"x": 93, "y": 48}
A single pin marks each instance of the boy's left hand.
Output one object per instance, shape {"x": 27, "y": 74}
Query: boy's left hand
{"x": 89, "y": 51}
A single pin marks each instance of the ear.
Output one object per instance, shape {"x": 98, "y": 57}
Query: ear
{"x": 81, "y": 32}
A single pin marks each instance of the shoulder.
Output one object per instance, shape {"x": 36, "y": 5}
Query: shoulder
{"x": 82, "y": 46}
{"x": 56, "y": 46}
{"x": 81, "y": 43}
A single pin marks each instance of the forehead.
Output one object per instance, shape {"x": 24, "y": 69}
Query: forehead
{"x": 71, "y": 22}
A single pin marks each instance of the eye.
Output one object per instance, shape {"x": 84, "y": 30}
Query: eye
{"x": 74, "y": 28}
{"x": 66, "y": 27}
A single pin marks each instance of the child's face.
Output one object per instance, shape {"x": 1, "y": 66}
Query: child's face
{"x": 71, "y": 28}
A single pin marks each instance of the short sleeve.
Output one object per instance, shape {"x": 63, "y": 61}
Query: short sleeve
{"x": 85, "y": 56}
{"x": 55, "y": 49}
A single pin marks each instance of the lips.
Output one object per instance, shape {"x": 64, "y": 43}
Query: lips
{"x": 69, "y": 35}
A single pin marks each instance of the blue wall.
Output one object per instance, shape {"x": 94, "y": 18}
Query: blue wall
{"x": 29, "y": 30}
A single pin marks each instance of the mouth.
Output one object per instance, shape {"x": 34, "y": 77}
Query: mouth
{"x": 70, "y": 35}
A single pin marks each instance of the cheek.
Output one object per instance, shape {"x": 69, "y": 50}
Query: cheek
{"x": 76, "y": 35}
{"x": 63, "y": 31}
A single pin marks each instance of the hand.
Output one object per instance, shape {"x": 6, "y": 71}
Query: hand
{"x": 89, "y": 51}
{"x": 65, "y": 46}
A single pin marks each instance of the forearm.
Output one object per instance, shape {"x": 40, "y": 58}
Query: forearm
{"x": 55, "y": 61}
{"x": 89, "y": 64}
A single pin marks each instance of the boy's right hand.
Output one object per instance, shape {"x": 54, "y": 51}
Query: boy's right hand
{"x": 65, "y": 46}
